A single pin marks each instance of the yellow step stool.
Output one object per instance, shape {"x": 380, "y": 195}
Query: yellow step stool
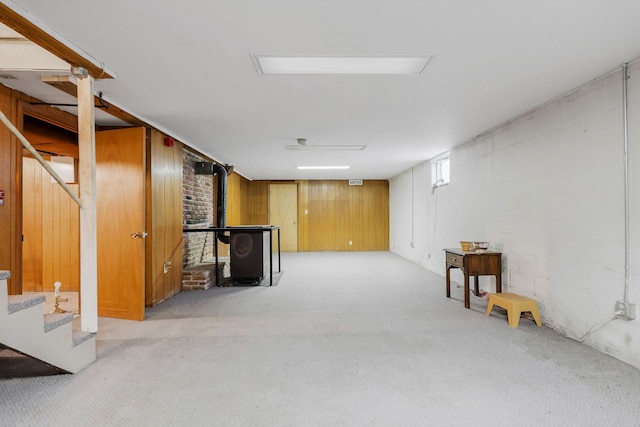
{"x": 515, "y": 306}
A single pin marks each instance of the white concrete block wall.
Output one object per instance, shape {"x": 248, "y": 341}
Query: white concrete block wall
{"x": 546, "y": 189}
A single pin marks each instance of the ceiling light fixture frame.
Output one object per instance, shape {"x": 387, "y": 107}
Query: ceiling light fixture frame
{"x": 340, "y": 64}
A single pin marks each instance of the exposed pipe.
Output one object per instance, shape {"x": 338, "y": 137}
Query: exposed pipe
{"x": 212, "y": 168}
{"x": 221, "y": 202}
{"x": 413, "y": 228}
{"x": 625, "y": 77}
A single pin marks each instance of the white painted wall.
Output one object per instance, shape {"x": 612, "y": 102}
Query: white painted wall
{"x": 546, "y": 189}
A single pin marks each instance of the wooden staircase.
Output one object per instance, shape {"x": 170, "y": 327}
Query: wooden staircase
{"x": 48, "y": 337}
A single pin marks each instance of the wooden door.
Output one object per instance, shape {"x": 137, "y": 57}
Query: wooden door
{"x": 283, "y": 211}
{"x": 120, "y": 208}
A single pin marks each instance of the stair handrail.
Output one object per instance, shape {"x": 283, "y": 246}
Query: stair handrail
{"x": 39, "y": 158}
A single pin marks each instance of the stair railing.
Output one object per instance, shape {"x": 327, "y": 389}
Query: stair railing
{"x": 39, "y": 158}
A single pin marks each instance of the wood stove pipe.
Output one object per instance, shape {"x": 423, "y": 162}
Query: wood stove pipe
{"x": 212, "y": 168}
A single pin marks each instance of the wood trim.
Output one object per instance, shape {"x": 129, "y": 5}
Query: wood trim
{"x": 42, "y": 38}
{"x": 49, "y": 114}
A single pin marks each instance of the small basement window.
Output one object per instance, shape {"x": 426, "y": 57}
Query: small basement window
{"x": 439, "y": 172}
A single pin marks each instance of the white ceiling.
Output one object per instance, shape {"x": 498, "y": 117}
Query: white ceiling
{"x": 185, "y": 67}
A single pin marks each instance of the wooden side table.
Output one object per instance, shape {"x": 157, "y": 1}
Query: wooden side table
{"x": 487, "y": 263}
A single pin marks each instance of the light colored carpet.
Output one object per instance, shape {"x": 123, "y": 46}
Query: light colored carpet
{"x": 344, "y": 339}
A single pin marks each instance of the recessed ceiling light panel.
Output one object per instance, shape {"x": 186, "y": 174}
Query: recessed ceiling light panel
{"x": 340, "y": 65}
{"x": 322, "y": 167}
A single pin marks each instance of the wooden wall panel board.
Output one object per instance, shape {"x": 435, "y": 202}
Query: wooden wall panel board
{"x": 317, "y": 220}
{"x": 68, "y": 243}
{"x": 74, "y": 235}
{"x": 48, "y": 270}
{"x": 173, "y": 248}
{"x": 245, "y": 205}
{"x": 343, "y": 231}
{"x": 32, "y": 227}
{"x": 366, "y": 213}
{"x": 327, "y": 210}
{"x": 149, "y": 273}
{"x": 158, "y": 190}
{"x": 372, "y": 218}
{"x": 303, "y": 216}
{"x": 234, "y": 200}
{"x": 169, "y": 216}
{"x": 169, "y": 219}
{"x": 331, "y": 189}
{"x": 155, "y": 276}
{"x": 59, "y": 242}
{"x": 314, "y": 212}
{"x": 328, "y": 224}
{"x": 176, "y": 235}
{"x": 56, "y": 241}
{"x": 338, "y": 216}
{"x": 258, "y": 207}
{"x": 355, "y": 201}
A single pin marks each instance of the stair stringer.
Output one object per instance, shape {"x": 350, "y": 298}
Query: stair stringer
{"x": 24, "y": 331}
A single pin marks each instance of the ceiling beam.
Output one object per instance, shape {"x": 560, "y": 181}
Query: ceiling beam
{"x": 68, "y": 85}
{"x": 73, "y": 55}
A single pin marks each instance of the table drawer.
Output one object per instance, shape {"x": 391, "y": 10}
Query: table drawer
{"x": 455, "y": 260}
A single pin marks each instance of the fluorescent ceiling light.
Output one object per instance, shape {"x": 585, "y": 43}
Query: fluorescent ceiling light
{"x": 340, "y": 65}
{"x": 325, "y": 147}
{"x": 322, "y": 167}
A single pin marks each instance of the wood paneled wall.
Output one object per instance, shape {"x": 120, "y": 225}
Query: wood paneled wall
{"x": 235, "y": 196}
{"x": 330, "y": 214}
{"x": 339, "y": 213}
{"x": 15, "y": 105}
{"x": 51, "y": 229}
{"x": 11, "y": 184}
{"x": 256, "y": 210}
{"x": 163, "y": 219}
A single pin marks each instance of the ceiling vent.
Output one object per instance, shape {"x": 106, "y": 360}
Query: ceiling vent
{"x": 355, "y": 182}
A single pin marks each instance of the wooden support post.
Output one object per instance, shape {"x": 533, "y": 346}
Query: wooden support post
{"x": 87, "y": 181}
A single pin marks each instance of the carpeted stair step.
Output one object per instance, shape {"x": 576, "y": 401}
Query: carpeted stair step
{"x": 48, "y": 338}
{"x": 21, "y": 302}
{"x": 55, "y": 320}
{"x": 81, "y": 336}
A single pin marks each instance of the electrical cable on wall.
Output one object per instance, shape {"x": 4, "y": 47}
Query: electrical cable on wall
{"x": 432, "y": 242}
{"x": 413, "y": 234}
{"x": 624, "y": 308}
